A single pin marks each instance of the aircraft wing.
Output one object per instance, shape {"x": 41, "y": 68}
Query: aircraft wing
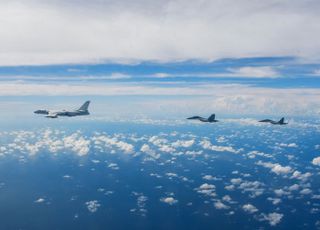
{"x": 266, "y": 120}
{"x": 195, "y": 117}
{"x": 52, "y": 115}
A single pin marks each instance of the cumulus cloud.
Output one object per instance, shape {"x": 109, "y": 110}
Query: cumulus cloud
{"x": 113, "y": 141}
{"x": 249, "y": 208}
{"x": 183, "y": 143}
{"x": 207, "y": 145}
{"x": 209, "y": 177}
{"x": 40, "y": 200}
{"x": 92, "y": 205}
{"x": 207, "y": 189}
{"x": 306, "y": 191}
{"x": 146, "y": 149}
{"x": 253, "y": 154}
{"x": 60, "y": 32}
{"x": 34, "y": 142}
{"x": 236, "y": 180}
{"x": 113, "y": 166}
{"x": 301, "y": 176}
{"x": 220, "y": 205}
{"x": 169, "y": 200}
{"x": 255, "y": 188}
{"x": 77, "y": 143}
{"x": 273, "y": 218}
{"x": 290, "y": 145}
{"x": 316, "y": 161}
{"x": 276, "y": 168}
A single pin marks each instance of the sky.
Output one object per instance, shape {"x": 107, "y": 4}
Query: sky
{"x": 56, "y": 31}
{"x": 232, "y": 57}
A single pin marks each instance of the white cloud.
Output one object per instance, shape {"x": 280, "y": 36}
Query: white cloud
{"x": 281, "y": 192}
{"x": 169, "y": 200}
{"x": 207, "y": 145}
{"x": 146, "y": 149}
{"x": 207, "y": 189}
{"x": 290, "y": 145}
{"x": 316, "y": 72}
{"x": 34, "y": 142}
{"x": 316, "y": 161}
{"x": 206, "y": 186}
{"x": 40, "y": 200}
{"x": 274, "y": 201}
{"x": 258, "y": 72}
{"x": 276, "y": 168}
{"x": 273, "y": 218}
{"x": 221, "y": 98}
{"x": 301, "y": 176}
{"x": 306, "y": 191}
{"x": 227, "y": 198}
{"x": 92, "y": 205}
{"x": 246, "y": 71}
{"x": 183, "y": 143}
{"x": 220, "y": 205}
{"x": 125, "y": 147}
{"x": 167, "y": 149}
{"x": 77, "y": 143}
{"x": 253, "y": 154}
{"x": 41, "y": 32}
{"x": 230, "y": 187}
{"x": 208, "y": 177}
{"x": 113, "y": 141}
{"x": 249, "y": 208}
{"x": 236, "y": 180}
{"x": 294, "y": 187}
{"x": 113, "y": 166}
{"x": 255, "y": 188}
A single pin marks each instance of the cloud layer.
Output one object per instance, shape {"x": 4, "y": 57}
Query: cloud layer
{"x": 222, "y": 98}
{"x": 42, "y": 32}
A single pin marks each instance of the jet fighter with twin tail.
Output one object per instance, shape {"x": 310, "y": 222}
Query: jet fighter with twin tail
{"x": 210, "y": 119}
{"x": 83, "y": 110}
{"x": 280, "y": 122}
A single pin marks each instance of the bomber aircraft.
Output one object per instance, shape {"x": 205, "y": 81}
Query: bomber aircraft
{"x": 83, "y": 110}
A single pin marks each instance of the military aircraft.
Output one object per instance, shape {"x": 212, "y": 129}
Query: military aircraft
{"x": 209, "y": 119}
{"x": 83, "y": 110}
{"x": 280, "y": 122}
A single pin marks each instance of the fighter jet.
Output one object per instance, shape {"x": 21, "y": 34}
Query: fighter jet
{"x": 83, "y": 110}
{"x": 210, "y": 119}
{"x": 281, "y": 122}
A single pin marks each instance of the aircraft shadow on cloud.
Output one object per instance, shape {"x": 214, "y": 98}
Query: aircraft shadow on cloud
{"x": 83, "y": 110}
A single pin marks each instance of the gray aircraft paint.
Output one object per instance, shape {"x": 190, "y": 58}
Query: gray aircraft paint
{"x": 83, "y": 110}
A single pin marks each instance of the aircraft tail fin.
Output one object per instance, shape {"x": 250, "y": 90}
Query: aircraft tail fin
{"x": 85, "y": 106}
{"x": 281, "y": 120}
{"x": 212, "y": 117}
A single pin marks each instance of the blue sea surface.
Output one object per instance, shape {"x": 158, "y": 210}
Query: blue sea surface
{"x": 95, "y": 174}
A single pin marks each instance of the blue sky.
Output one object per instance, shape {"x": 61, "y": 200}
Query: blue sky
{"x": 282, "y": 72}
{"x": 246, "y": 86}
{"x": 231, "y": 57}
